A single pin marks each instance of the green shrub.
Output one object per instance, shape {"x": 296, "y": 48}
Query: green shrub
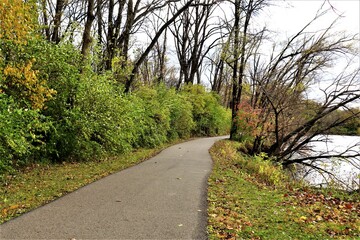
{"x": 209, "y": 116}
{"x": 90, "y": 116}
{"x": 265, "y": 170}
{"x": 105, "y": 118}
{"x": 22, "y": 134}
{"x": 182, "y": 123}
{"x": 155, "y": 117}
{"x": 259, "y": 168}
{"x": 60, "y": 66}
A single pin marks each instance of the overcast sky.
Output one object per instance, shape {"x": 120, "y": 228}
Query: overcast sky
{"x": 285, "y": 18}
{"x": 289, "y": 16}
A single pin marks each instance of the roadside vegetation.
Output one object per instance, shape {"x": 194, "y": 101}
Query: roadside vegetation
{"x": 54, "y": 106}
{"x": 65, "y": 123}
{"x": 78, "y": 90}
{"x": 250, "y": 198}
{"x": 47, "y": 153}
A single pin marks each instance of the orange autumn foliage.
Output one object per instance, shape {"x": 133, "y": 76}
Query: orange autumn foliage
{"x": 251, "y": 122}
{"x": 248, "y": 120}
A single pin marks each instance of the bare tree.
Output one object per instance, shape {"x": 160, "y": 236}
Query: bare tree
{"x": 124, "y": 18}
{"x": 194, "y": 35}
{"x": 219, "y": 73}
{"x": 154, "y": 69}
{"x": 236, "y": 51}
{"x": 61, "y": 18}
{"x": 154, "y": 40}
{"x": 289, "y": 120}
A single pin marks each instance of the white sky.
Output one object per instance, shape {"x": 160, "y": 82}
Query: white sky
{"x": 290, "y": 16}
{"x": 286, "y": 18}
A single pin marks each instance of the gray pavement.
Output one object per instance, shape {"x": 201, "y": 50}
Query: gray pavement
{"x": 162, "y": 198}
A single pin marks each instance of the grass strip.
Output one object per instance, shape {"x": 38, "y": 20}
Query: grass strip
{"x": 245, "y": 204}
{"x": 40, "y": 184}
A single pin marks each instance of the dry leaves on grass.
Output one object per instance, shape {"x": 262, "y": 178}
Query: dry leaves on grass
{"x": 319, "y": 209}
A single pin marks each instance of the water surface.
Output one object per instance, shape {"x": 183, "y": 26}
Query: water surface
{"x": 346, "y": 171}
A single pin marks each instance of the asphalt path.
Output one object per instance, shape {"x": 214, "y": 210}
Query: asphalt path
{"x": 161, "y": 198}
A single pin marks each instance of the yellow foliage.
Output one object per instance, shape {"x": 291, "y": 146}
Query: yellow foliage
{"x": 24, "y": 79}
{"x": 17, "y": 26}
{"x": 16, "y": 20}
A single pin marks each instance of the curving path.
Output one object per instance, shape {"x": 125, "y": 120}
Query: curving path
{"x": 162, "y": 198}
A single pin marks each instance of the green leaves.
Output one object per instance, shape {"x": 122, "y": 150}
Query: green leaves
{"x": 90, "y": 116}
{"x": 209, "y": 116}
{"x": 21, "y": 134}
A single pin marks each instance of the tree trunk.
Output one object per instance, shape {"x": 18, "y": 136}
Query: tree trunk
{"x": 238, "y": 79}
{"x": 162, "y": 60}
{"x": 57, "y": 20}
{"x": 46, "y": 21}
{"x": 124, "y": 43}
{"x": 99, "y": 22}
{"x": 86, "y": 42}
{"x": 235, "y": 101}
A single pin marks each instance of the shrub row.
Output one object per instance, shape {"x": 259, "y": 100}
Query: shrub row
{"x": 89, "y": 115}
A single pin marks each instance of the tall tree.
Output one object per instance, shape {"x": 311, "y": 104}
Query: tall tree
{"x": 287, "y": 119}
{"x": 61, "y": 18}
{"x": 144, "y": 55}
{"x": 125, "y": 18}
{"x": 154, "y": 69}
{"x": 193, "y": 35}
{"x": 244, "y": 12}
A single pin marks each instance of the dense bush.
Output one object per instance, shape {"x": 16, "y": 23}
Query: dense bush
{"x": 55, "y": 107}
{"x": 154, "y": 117}
{"x": 209, "y": 116}
{"x": 259, "y": 168}
{"x": 71, "y": 113}
{"x": 166, "y": 116}
{"x": 21, "y": 134}
{"x": 181, "y": 110}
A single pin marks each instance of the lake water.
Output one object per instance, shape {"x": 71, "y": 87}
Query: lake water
{"x": 347, "y": 172}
